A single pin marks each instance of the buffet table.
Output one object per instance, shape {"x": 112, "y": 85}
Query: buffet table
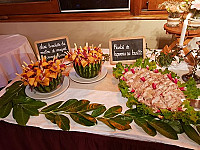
{"x": 14, "y": 49}
{"x": 49, "y": 136}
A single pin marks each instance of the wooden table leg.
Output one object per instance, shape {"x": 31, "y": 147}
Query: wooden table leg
{"x": 168, "y": 49}
{"x": 189, "y": 59}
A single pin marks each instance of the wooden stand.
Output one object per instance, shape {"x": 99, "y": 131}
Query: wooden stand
{"x": 177, "y": 32}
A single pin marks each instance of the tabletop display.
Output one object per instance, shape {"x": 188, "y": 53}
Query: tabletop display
{"x": 140, "y": 98}
{"x": 156, "y": 93}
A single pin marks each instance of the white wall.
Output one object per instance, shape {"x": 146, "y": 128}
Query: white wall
{"x": 94, "y": 32}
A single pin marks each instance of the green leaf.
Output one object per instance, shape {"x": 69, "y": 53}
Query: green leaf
{"x": 67, "y": 104}
{"x": 52, "y": 107}
{"x": 29, "y": 110}
{"x": 176, "y": 125}
{"x": 126, "y": 118}
{"x": 91, "y": 107}
{"x": 20, "y": 116}
{"x": 125, "y": 91}
{"x": 164, "y": 129}
{"x": 5, "y": 110}
{"x": 133, "y": 112}
{"x": 11, "y": 92}
{"x": 19, "y": 99}
{"x": 191, "y": 133}
{"x": 97, "y": 112}
{"x": 117, "y": 72}
{"x": 105, "y": 121}
{"x": 31, "y": 103}
{"x": 131, "y": 101}
{"x": 192, "y": 91}
{"x": 62, "y": 122}
{"x": 81, "y": 120}
{"x": 51, "y": 117}
{"x": 145, "y": 126}
{"x": 14, "y": 86}
{"x": 138, "y": 62}
{"x": 119, "y": 123}
{"x": 78, "y": 106}
{"x": 88, "y": 117}
{"x": 113, "y": 111}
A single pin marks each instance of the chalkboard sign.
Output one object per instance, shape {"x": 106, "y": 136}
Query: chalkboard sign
{"x": 126, "y": 50}
{"x": 52, "y": 47}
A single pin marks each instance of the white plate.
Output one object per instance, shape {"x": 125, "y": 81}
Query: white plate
{"x": 42, "y": 96}
{"x": 75, "y": 77}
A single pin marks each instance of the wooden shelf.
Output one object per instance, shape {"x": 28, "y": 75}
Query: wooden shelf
{"x": 100, "y": 16}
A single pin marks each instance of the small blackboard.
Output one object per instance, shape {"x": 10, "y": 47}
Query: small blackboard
{"x": 126, "y": 50}
{"x": 52, "y": 47}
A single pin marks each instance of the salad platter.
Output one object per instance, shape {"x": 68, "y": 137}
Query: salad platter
{"x": 162, "y": 101}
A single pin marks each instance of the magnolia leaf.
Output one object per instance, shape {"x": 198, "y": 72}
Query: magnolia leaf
{"x": 5, "y": 110}
{"x": 164, "y": 129}
{"x": 19, "y": 99}
{"x": 52, "y": 107}
{"x": 147, "y": 117}
{"x": 62, "y": 122}
{"x": 133, "y": 113}
{"x": 51, "y": 117}
{"x": 126, "y": 118}
{"x": 145, "y": 126}
{"x": 11, "y": 92}
{"x": 67, "y": 104}
{"x": 31, "y": 103}
{"x": 14, "y": 86}
{"x": 198, "y": 128}
{"x": 176, "y": 125}
{"x": 191, "y": 133}
{"x": 29, "y": 110}
{"x": 119, "y": 123}
{"x": 81, "y": 120}
{"x": 88, "y": 117}
{"x": 113, "y": 111}
{"x": 91, "y": 107}
{"x": 20, "y": 116}
{"x": 105, "y": 121}
{"x": 97, "y": 112}
{"x": 78, "y": 106}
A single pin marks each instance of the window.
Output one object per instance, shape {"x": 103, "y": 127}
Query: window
{"x": 53, "y": 10}
{"x": 93, "y": 5}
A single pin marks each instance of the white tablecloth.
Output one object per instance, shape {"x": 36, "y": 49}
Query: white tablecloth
{"x": 100, "y": 92}
{"x": 105, "y": 92}
{"x": 14, "y": 49}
